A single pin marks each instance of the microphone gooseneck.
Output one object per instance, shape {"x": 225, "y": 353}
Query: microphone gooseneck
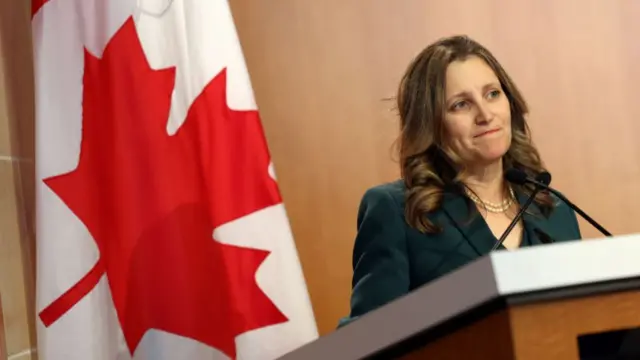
{"x": 519, "y": 177}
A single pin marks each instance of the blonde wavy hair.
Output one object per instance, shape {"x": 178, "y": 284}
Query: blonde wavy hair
{"x": 428, "y": 170}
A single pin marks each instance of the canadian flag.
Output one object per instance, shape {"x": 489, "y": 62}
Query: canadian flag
{"x": 160, "y": 228}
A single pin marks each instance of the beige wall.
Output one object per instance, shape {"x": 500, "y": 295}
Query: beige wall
{"x": 321, "y": 68}
{"x": 16, "y": 179}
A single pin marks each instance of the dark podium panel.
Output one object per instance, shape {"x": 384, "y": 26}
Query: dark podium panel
{"x": 563, "y": 301}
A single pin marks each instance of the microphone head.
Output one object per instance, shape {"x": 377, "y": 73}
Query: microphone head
{"x": 544, "y": 177}
{"x": 519, "y": 177}
{"x": 516, "y": 176}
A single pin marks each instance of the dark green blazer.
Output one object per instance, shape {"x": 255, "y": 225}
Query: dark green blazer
{"x": 391, "y": 259}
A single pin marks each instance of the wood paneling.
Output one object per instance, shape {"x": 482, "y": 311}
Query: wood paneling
{"x": 487, "y": 338}
{"x": 543, "y": 330}
{"x": 321, "y": 70}
{"x": 3, "y": 344}
{"x": 16, "y": 280}
{"x": 550, "y": 330}
{"x": 17, "y": 234}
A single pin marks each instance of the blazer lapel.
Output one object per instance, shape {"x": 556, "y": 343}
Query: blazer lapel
{"x": 537, "y": 226}
{"x": 469, "y": 222}
{"x": 476, "y": 231}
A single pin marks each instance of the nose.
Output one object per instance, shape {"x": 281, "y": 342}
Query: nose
{"x": 484, "y": 115}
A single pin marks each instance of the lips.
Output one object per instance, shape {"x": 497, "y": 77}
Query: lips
{"x": 488, "y": 132}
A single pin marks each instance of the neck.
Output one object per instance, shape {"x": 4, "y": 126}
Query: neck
{"x": 487, "y": 182}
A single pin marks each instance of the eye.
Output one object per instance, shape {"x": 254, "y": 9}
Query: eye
{"x": 493, "y": 94}
{"x": 459, "y": 105}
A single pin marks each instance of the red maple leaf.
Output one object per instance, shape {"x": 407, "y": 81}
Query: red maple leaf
{"x": 151, "y": 202}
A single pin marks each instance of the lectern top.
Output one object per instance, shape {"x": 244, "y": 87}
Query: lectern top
{"x": 567, "y": 267}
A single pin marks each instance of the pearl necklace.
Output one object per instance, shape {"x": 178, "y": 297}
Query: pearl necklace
{"x": 492, "y": 207}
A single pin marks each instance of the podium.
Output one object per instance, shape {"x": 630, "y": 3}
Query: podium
{"x": 570, "y": 300}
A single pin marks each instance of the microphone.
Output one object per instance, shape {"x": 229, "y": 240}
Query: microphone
{"x": 544, "y": 178}
{"x": 519, "y": 177}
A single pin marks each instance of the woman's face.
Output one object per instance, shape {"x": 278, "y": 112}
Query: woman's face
{"x": 477, "y": 119}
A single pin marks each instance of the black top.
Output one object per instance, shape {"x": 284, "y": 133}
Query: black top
{"x": 390, "y": 258}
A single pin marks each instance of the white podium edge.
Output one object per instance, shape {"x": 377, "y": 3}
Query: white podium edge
{"x": 499, "y": 274}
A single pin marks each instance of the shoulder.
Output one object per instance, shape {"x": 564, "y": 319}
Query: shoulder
{"x": 380, "y": 222}
{"x": 388, "y": 201}
{"x": 384, "y": 202}
{"x": 564, "y": 218}
{"x": 388, "y": 194}
{"x": 560, "y": 208}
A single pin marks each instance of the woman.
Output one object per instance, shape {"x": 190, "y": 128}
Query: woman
{"x": 462, "y": 125}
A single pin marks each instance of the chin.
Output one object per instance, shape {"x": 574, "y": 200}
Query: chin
{"x": 496, "y": 152}
{"x": 491, "y": 157}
